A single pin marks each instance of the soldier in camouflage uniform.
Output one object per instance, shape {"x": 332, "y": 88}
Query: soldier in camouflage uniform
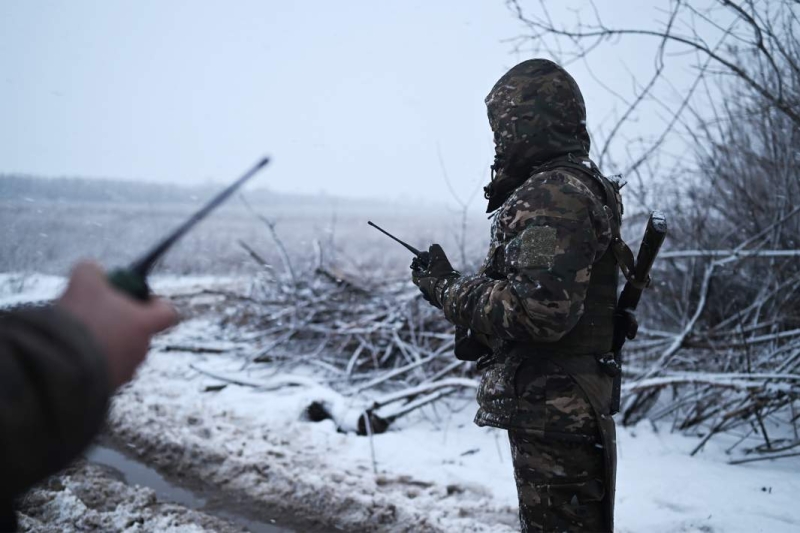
{"x": 542, "y": 305}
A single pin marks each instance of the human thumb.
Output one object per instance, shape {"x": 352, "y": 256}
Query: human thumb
{"x": 158, "y": 315}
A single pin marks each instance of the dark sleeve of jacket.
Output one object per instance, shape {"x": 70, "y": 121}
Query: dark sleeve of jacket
{"x": 54, "y": 392}
{"x": 550, "y": 233}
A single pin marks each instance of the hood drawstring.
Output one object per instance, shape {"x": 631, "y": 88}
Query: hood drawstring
{"x": 488, "y": 190}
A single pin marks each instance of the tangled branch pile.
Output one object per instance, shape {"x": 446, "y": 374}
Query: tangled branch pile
{"x": 739, "y": 373}
{"x": 726, "y": 366}
{"x": 367, "y": 337}
{"x": 730, "y": 296}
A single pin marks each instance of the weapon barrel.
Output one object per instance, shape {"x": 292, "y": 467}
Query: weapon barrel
{"x": 653, "y": 238}
{"x": 408, "y": 246}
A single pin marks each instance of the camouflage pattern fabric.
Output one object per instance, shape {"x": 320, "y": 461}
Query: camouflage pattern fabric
{"x": 537, "y": 114}
{"x": 551, "y": 232}
{"x": 532, "y": 394}
{"x": 559, "y": 483}
{"x": 533, "y": 283}
{"x": 557, "y": 452}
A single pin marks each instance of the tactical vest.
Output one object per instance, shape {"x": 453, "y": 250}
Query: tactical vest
{"x": 594, "y": 332}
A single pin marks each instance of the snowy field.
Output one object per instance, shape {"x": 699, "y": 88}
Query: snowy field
{"x": 435, "y": 471}
{"x": 49, "y": 236}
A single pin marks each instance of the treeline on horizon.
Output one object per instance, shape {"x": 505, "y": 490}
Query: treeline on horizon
{"x": 29, "y": 188}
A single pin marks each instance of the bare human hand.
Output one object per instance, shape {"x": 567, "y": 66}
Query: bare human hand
{"x": 121, "y": 326}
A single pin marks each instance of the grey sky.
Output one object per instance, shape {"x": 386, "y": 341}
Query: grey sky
{"x": 350, "y": 97}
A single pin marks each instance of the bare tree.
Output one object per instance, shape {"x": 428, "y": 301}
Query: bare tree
{"x": 751, "y": 41}
{"x": 724, "y": 337}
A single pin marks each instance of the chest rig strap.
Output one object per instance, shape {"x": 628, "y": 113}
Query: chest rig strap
{"x": 622, "y": 252}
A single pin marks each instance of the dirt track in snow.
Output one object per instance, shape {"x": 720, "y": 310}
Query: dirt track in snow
{"x": 88, "y": 497}
{"x": 286, "y": 467}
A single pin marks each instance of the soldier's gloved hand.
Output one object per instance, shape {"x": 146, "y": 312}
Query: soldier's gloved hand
{"x": 431, "y": 278}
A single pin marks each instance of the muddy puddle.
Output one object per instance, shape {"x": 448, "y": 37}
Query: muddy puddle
{"x": 197, "y": 497}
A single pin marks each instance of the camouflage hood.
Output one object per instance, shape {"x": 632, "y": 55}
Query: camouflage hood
{"x": 537, "y": 114}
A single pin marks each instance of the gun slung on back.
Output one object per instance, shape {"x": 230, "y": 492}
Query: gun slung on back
{"x": 654, "y": 235}
{"x": 423, "y": 256}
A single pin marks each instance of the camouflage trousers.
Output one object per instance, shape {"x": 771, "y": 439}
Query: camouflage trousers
{"x": 559, "y": 482}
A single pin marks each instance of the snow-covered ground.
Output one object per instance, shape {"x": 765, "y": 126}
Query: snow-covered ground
{"x": 431, "y": 472}
{"x": 255, "y": 442}
{"x": 446, "y": 474}
{"x": 88, "y": 497}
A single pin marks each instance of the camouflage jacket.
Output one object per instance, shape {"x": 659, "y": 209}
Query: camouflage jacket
{"x": 553, "y": 227}
{"x": 533, "y": 283}
{"x": 532, "y": 287}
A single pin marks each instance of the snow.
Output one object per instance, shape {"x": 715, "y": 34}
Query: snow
{"x": 19, "y": 288}
{"x": 435, "y": 471}
{"x": 88, "y": 497}
{"x": 662, "y": 489}
{"x": 256, "y": 442}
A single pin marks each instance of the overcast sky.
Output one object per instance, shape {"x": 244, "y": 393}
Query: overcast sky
{"x": 353, "y": 98}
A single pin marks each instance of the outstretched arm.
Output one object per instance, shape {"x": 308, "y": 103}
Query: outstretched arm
{"x": 58, "y": 368}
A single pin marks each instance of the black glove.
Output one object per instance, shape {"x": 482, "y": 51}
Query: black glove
{"x": 468, "y": 347}
{"x": 427, "y": 275}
